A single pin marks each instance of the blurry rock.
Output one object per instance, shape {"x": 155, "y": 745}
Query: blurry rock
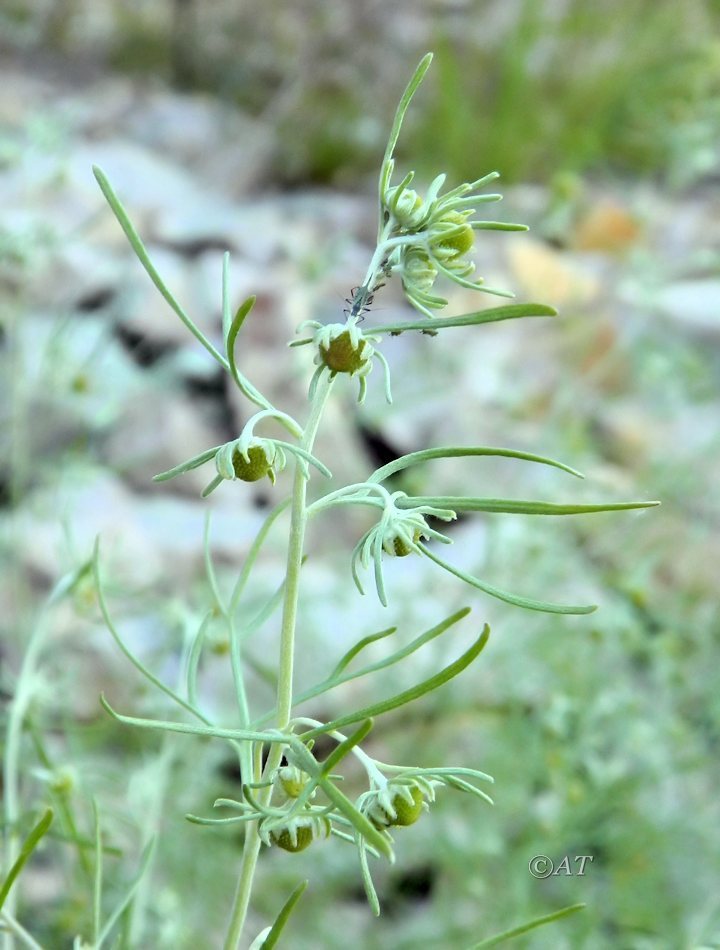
{"x": 145, "y": 541}
{"x": 159, "y": 429}
{"x": 550, "y": 276}
{"x": 148, "y": 184}
{"x": 693, "y": 306}
{"x": 76, "y": 276}
{"x": 218, "y": 142}
{"x": 606, "y": 226}
{"x": 142, "y": 312}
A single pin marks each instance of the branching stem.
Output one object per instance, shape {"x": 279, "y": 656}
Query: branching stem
{"x": 298, "y": 522}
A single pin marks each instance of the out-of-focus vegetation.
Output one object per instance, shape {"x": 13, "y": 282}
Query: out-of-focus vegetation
{"x": 533, "y": 87}
{"x": 603, "y": 733}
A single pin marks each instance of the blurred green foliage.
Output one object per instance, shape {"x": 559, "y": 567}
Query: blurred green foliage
{"x": 578, "y": 87}
{"x": 531, "y": 87}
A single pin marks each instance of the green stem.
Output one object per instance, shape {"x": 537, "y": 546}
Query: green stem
{"x": 11, "y": 764}
{"x": 298, "y": 521}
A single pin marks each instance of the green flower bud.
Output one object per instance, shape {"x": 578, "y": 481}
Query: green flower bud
{"x": 256, "y": 466}
{"x": 407, "y": 208}
{"x": 405, "y": 809}
{"x": 292, "y": 780}
{"x": 400, "y": 546}
{"x": 284, "y": 839}
{"x": 418, "y": 270}
{"x": 62, "y": 781}
{"x": 343, "y": 354}
{"x": 460, "y": 241}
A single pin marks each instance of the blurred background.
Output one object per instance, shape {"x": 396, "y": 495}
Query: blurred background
{"x": 259, "y": 129}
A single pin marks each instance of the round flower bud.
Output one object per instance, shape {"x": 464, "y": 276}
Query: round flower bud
{"x": 343, "y": 354}
{"x": 407, "y": 208}
{"x": 254, "y": 467}
{"x": 63, "y": 780}
{"x": 418, "y": 270}
{"x": 291, "y": 780}
{"x": 397, "y": 535}
{"x": 406, "y": 811}
{"x": 400, "y": 546}
{"x": 284, "y": 838}
{"x": 457, "y": 242}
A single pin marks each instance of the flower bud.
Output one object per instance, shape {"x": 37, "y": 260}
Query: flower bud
{"x": 403, "y": 809}
{"x": 254, "y": 467}
{"x": 293, "y": 840}
{"x": 63, "y": 780}
{"x": 292, "y": 780}
{"x": 418, "y": 271}
{"x": 343, "y": 354}
{"x": 460, "y": 240}
{"x": 408, "y": 207}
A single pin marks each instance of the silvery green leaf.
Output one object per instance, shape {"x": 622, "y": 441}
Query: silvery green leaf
{"x": 515, "y": 599}
{"x": 509, "y": 312}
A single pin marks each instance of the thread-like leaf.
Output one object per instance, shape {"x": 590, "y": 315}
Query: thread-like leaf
{"x": 510, "y": 312}
{"x": 124, "y": 901}
{"x": 195, "y": 462}
{"x": 517, "y": 506}
{"x": 144, "y": 258}
{"x": 336, "y": 680}
{"x": 408, "y": 695}
{"x": 28, "y": 846}
{"x": 525, "y": 928}
{"x": 416, "y": 79}
{"x": 459, "y": 451}
{"x": 243, "y": 384}
{"x": 138, "y": 664}
{"x": 283, "y": 917}
{"x": 518, "y": 601}
{"x": 215, "y": 732}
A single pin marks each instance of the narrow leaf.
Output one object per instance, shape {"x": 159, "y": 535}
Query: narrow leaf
{"x": 368, "y": 885}
{"x": 408, "y": 695}
{"x": 517, "y": 506}
{"x": 138, "y": 664}
{"x": 124, "y": 901}
{"x": 212, "y": 731}
{"x": 283, "y": 917}
{"x": 527, "y": 603}
{"x": 334, "y": 680}
{"x": 497, "y": 226}
{"x": 345, "y": 747}
{"x": 144, "y": 258}
{"x": 402, "y": 108}
{"x": 458, "y": 451}
{"x": 253, "y": 553}
{"x": 347, "y": 658}
{"x": 525, "y": 928}
{"x": 195, "y": 462}
{"x": 361, "y": 824}
{"x": 28, "y": 846}
{"x": 493, "y": 315}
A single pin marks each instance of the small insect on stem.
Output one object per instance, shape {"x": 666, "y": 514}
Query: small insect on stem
{"x": 361, "y": 298}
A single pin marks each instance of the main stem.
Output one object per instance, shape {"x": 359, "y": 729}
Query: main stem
{"x": 298, "y": 521}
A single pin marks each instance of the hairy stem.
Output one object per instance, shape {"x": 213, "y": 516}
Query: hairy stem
{"x": 298, "y": 521}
